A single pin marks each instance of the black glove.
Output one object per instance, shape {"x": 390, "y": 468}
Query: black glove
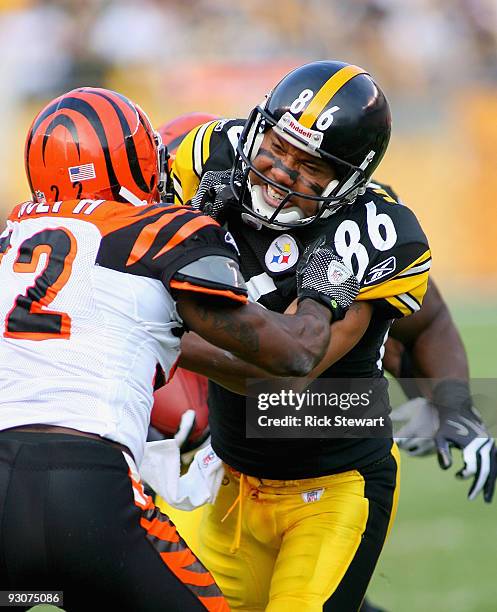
{"x": 462, "y": 427}
{"x": 322, "y": 276}
{"x": 214, "y": 195}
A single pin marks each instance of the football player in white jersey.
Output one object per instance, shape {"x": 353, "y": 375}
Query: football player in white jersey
{"x": 98, "y": 284}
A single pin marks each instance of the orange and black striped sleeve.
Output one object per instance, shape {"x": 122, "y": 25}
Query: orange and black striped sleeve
{"x": 186, "y": 250}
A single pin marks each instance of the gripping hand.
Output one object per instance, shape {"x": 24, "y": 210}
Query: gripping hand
{"x": 214, "y": 195}
{"x": 322, "y": 276}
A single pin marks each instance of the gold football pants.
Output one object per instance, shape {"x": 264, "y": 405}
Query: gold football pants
{"x": 299, "y": 545}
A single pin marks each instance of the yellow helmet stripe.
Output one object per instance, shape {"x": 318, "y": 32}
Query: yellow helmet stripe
{"x": 327, "y": 91}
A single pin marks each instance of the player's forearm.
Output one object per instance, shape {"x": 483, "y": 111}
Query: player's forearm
{"x": 438, "y": 352}
{"x": 434, "y": 345}
{"x": 218, "y": 365}
{"x": 305, "y": 334}
{"x": 231, "y": 372}
{"x": 282, "y": 345}
{"x": 288, "y": 345}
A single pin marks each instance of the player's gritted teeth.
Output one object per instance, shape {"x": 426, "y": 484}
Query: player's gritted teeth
{"x": 291, "y": 169}
{"x": 273, "y": 197}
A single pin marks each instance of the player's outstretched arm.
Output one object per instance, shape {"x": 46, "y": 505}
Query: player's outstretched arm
{"x": 432, "y": 348}
{"x": 285, "y": 345}
{"x": 432, "y": 340}
{"x": 282, "y": 345}
{"x": 223, "y": 367}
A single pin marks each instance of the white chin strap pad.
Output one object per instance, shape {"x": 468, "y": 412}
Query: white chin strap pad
{"x": 259, "y": 206}
{"x": 131, "y": 198}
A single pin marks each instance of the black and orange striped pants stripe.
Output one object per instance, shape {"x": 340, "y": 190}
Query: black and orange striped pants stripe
{"x": 74, "y": 518}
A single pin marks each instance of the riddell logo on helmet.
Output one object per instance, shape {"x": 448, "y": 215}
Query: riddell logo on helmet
{"x": 299, "y": 129}
{"x": 290, "y": 125}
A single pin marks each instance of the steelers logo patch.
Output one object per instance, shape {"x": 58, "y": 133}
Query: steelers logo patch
{"x": 283, "y": 254}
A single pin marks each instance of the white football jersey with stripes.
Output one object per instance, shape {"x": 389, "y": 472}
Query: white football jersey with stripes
{"x": 82, "y": 337}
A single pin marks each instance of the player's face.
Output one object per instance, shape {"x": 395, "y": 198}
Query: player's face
{"x": 291, "y": 167}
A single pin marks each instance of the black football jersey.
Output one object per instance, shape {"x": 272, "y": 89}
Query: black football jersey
{"x": 378, "y": 237}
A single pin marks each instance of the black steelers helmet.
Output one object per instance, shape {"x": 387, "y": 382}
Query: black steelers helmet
{"x": 329, "y": 109}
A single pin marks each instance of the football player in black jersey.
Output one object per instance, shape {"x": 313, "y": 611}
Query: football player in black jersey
{"x": 424, "y": 345}
{"x": 311, "y": 516}
{"x": 421, "y": 348}
{"x": 271, "y": 205}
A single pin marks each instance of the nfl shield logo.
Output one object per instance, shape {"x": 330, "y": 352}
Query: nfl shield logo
{"x": 312, "y": 496}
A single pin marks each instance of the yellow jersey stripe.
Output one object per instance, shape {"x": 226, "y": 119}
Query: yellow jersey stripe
{"x": 183, "y": 169}
{"x": 420, "y": 260}
{"x": 385, "y": 195}
{"x": 177, "y": 190}
{"x": 395, "y": 502}
{"x": 327, "y": 91}
{"x": 206, "y": 149}
{"x": 415, "y": 285}
{"x": 400, "y": 306}
{"x": 198, "y": 150}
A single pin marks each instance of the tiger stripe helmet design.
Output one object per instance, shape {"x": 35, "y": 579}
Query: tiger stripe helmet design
{"x": 329, "y": 109}
{"x": 94, "y": 143}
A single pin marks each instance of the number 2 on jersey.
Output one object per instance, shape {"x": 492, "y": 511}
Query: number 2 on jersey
{"x": 29, "y": 319}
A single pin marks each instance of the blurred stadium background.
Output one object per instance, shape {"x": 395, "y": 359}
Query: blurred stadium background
{"x": 437, "y": 62}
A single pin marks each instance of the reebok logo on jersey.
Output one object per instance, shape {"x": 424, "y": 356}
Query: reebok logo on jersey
{"x": 380, "y": 270}
{"x": 312, "y": 496}
{"x": 220, "y": 124}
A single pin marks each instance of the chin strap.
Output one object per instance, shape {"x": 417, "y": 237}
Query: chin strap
{"x": 130, "y": 197}
{"x": 290, "y": 215}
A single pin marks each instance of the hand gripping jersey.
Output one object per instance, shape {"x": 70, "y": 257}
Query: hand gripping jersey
{"x": 87, "y": 313}
{"x": 377, "y": 236}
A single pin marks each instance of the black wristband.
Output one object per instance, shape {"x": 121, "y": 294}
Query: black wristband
{"x": 337, "y": 311}
{"x": 452, "y": 395}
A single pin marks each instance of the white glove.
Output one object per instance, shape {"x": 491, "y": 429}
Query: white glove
{"x": 421, "y": 423}
{"x": 160, "y": 468}
{"x": 186, "y": 426}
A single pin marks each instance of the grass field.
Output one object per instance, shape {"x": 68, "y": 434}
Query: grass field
{"x": 442, "y": 553}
